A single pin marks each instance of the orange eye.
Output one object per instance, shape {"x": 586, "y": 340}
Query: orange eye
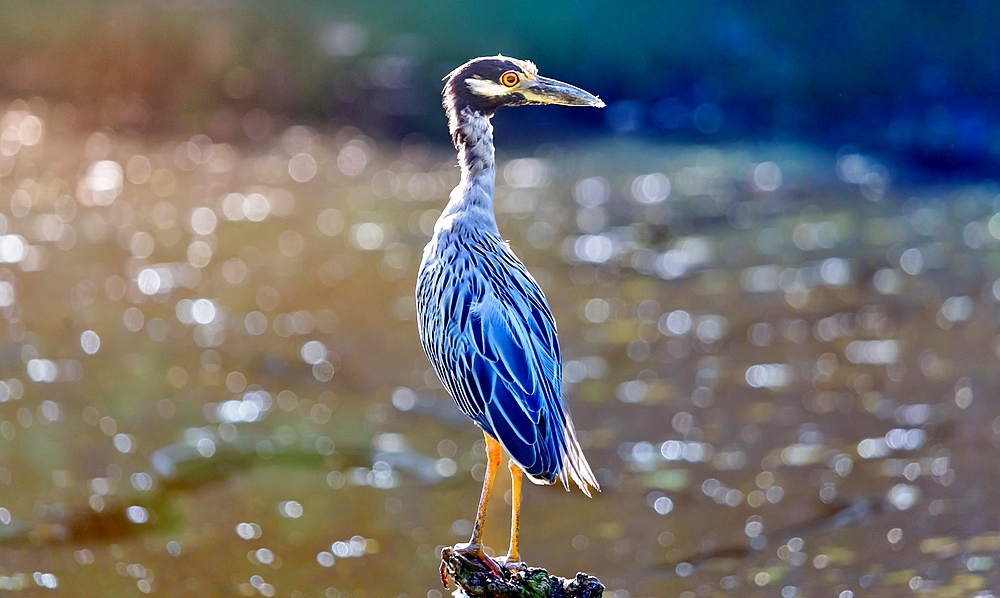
{"x": 510, "y": 78}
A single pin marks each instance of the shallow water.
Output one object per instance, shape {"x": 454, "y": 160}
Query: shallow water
{"x": 782, "y": 366}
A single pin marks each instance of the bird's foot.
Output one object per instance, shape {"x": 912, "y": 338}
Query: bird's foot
{"x": 477, "y": 575}
{"x": 467, "y": 553}
{"x": 512, "y": 565}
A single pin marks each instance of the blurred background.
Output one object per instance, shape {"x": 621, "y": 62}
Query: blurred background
{"x": 912, "y": 79}
{"x": 773, "y": 258}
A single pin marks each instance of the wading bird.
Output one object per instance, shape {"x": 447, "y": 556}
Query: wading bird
{"x": 484, "y": 323}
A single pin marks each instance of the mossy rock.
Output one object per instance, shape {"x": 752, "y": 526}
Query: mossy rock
{"x": 476, "y": 577}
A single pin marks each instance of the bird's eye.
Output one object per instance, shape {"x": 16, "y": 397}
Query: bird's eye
{"x": 510, "y": 78}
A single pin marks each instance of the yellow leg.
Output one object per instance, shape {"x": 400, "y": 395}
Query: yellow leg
{"x": 513, "y": 555}
{"x": 475, "y": 546}
{"x": 493, "y": 453}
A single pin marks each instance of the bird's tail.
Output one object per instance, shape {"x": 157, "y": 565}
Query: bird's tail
{"x": 574, "y": 463}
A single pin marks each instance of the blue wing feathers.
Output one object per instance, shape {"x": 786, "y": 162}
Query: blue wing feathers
{"x": 523, "y": 452}
{"x": 500, "y": 341}
{"x": 505, "y": 404}
{"x": 490, "y": 335}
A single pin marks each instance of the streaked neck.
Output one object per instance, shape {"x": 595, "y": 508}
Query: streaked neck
{"x": 473, "y": 136}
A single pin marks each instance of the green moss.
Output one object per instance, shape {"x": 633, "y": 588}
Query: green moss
{"x": 475, "y": 576}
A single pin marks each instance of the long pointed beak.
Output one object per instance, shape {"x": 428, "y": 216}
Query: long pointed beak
{"x": 549, "y": 91}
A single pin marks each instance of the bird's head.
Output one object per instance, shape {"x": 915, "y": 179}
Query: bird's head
{"x": 485, "y": 84}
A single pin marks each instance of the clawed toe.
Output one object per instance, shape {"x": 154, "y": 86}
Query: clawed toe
{"x": 512, "y": 566}
{"x": 476, "y": 551}
{"x": 444, "y": 575}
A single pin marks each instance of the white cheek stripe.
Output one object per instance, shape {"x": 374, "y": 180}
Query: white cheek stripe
{"x": 483, "y": 87}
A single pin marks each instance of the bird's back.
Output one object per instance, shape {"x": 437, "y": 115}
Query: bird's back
{"x": 489, "y": 333}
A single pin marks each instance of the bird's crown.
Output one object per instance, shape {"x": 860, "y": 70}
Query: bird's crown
{"x": 484, "y": 84}
{"x": 492, "y": 68}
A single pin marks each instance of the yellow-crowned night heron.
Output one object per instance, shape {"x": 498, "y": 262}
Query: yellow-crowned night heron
{"x": 484, "y": 322}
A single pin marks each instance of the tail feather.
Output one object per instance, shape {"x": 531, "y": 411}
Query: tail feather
{"x": 559, "y": 458}
{"x": 575, "y": 466}
{"x": 572, "y": 464}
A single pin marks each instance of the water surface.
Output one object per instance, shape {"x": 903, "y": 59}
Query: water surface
{"x": 781, "y": 363}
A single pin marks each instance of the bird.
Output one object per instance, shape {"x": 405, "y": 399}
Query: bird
{"x": 484, "y": 323}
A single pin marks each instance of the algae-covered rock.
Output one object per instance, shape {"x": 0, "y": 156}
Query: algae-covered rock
{"x": 477, "y": 576}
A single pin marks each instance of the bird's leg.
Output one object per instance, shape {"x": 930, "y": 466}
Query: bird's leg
{"x": 493, "y": 454}
{"x": 513, "y": 555}
{"x": 475, "y": 545}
